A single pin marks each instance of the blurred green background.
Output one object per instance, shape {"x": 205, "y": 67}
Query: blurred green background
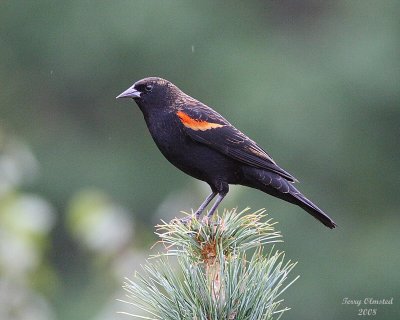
{"x": 316, "y": 83}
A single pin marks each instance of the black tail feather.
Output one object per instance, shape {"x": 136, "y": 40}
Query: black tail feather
{"x": 312, "y": 209}
{"x": 279, "y": 187}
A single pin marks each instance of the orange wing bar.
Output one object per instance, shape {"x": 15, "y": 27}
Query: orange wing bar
{"x": 195, "y": 124}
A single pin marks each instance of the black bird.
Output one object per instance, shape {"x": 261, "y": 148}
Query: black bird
{"x": 200, "y": 142}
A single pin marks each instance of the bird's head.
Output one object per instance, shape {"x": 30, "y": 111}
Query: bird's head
{"x": 151, "y": 92}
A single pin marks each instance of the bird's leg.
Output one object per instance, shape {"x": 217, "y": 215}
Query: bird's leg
{"x": 205, "y": 204}
{"x": 201, "y": 208}
{"x": 221, "y": 196}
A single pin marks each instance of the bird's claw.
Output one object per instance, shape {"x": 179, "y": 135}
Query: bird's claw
{"x": 206, "y": 219}
{"x": 187, "y": 220}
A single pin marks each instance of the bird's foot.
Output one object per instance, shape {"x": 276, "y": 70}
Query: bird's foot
{"x": 205, "y": 220}
{"x": 211, "y": 220}
{"x": 186, "y": 220}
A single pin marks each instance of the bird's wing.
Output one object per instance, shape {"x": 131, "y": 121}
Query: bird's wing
{"x": 204, "y": 125}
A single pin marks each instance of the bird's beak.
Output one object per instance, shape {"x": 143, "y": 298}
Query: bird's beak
{"x": 129, "y": 93}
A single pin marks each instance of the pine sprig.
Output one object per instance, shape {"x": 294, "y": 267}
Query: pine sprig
{"x": 206, "y": 274}
{"x": 235, "y": 232}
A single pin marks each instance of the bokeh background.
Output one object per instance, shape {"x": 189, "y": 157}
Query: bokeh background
{"x": 316, "y": 83}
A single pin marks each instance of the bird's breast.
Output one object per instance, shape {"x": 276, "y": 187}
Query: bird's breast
{"x": 167, "y": 133}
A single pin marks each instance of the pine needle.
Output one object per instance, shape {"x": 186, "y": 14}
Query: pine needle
{"x": 207, "y": 271}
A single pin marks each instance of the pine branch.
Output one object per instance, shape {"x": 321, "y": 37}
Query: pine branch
{"x": 207, "y": 271}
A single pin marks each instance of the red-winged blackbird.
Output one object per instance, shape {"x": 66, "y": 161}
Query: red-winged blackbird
{"x": 201, "y": 143}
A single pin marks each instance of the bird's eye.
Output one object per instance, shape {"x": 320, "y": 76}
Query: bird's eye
{"x": 148, "y": 87}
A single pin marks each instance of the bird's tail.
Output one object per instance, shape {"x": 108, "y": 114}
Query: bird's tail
{"x": 311, "y": 208}
{"x": 279, "y": 187}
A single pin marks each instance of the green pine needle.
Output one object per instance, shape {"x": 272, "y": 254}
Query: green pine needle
{"x": 206, "y": 274}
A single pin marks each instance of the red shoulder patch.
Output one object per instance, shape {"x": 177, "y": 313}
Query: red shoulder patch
{"x": 195, "y": 124}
